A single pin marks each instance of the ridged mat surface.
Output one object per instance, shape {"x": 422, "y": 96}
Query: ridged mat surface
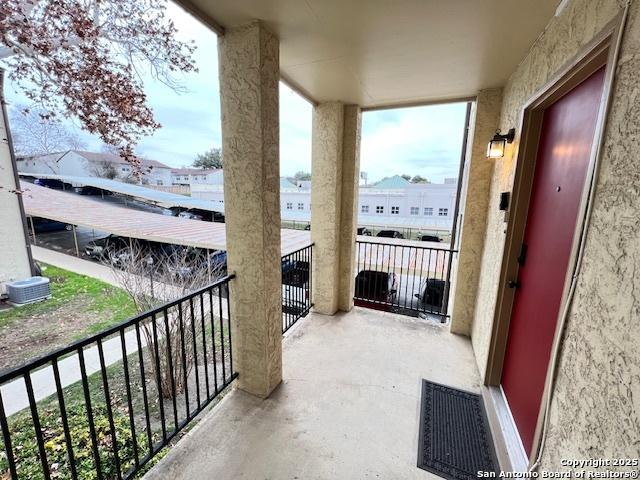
{"x": 455, "y": 440}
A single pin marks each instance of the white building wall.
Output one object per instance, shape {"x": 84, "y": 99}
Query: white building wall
{"x": 159, "y": 176}
{"x": 74, "y": 164}
{"x": 14, "y": 253}
{"x": 433, "y": 196}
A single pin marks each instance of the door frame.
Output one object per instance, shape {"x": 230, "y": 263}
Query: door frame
{"x": 602, "y": 50}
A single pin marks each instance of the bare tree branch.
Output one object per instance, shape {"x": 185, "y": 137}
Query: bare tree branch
{"x": 85, "y": 59}
{"x": 152, "y": 277}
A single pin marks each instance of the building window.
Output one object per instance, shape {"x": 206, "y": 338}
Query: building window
{"x": 415, "y": 211}
{"x": 301, "y": 206}
{"x": 428, "y": 211}
{"x": 443, "y": 212}
{"x": 289, "y": 206}
{"x": 379, "y": 209}
{"x": 395, "y": 210}
{"x": 364, "y": 209}
{"x": 159, "y": 182}
{"x": 124, "y": 169}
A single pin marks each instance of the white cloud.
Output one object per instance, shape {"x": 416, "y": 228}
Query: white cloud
{"x": 417, "y": 141}
{"x": 295, "y": 132}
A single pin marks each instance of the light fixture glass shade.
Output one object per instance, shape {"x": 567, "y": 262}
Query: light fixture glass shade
{"x": 496, "y": 147}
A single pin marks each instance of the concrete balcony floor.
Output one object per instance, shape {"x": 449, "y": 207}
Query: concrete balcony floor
{"x": 348, "y": 406}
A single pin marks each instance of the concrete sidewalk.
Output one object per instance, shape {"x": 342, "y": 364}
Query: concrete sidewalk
{"x": 75, "y": 264}
{"x": 14, "y": 393}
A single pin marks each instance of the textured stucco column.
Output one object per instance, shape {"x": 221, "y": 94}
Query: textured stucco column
{"x": 349, "y": 200}
{"x": 15, "y": 254}
{"x": 474, "y": 204}
{"x": 334, "y": 197}
{"x": 249, "y": 75}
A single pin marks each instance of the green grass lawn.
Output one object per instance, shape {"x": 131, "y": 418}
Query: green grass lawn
{"x": 80, "y": 306}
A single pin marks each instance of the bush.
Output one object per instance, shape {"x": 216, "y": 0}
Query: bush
{"x": 27, "y": 456}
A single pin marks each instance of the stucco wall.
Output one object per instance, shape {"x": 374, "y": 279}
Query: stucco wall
{"x": 249, "y": 101}
{"x": 349, "y": 196}
{"x": 326, "y": 202}
{"x": 595, "y": 412}
{"x": 14, "y": 256}
{"x": 475, "y": 198}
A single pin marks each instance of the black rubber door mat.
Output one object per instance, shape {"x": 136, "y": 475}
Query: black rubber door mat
{"x": 455, "y": 440}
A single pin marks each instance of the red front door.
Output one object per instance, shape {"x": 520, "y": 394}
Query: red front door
{"x": 561, "y": 168}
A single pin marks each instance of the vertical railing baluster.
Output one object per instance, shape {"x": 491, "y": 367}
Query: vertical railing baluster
{"x": 184, "y": 360}
{"x": 107, "y": 399}
{"x": 427, "y": 307}
{"x": 311, "y": 275}
{"x": 401, "y": 282}
{"x": 415, "y": 266}
{"x": 143, "y": 380}
{"x": 419, "y": 275}
{"x": 87, "y": 399}
{"x": 167, "y": 332}
{"x": 127, "y": 383}
{"x": 63, "y": 417}
{"x": 6, "y": 437}
{"x": 36, "y": 425}
{"x": 195, "y": 350}
{"x": 213, "y": 340}
{"x": 156, "y": 349}
{"x": 224, "y": 372}
{"x": 391, "y": 264}
{"x": 229, "y": 336}
{"x": 204, "y": 347}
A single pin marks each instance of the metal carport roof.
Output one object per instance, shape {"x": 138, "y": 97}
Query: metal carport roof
{"x": 82, "y": 211}
{"x": 157, "y": 197}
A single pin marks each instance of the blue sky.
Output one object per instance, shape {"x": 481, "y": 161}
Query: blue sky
{"x": 420, "y": 140}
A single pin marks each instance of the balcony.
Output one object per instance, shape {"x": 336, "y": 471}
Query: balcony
{"x": 348, "y": 405}
{"x": 339, "y": 396}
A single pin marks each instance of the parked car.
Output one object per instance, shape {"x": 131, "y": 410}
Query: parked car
{"x": 102, "y": 248}
{"x": 43, "y": 225}
{"x": 295, "y": 272}
{"x": 431, "y": 294}
{"x": 364, "y": 231}
{"x": 390, "y": 234}
{"x": 429, "y": 238}
{"x": 307, "y": 227}
{"x": 218, "y": 217}
{"x": 190, "y": 215}
{"x": 219, "y": 260}
{"x": 49, "y": 183}
{"x": 375, "y": 289}
{"x": 295, "y": 300}
{"x": 89, "y": 190}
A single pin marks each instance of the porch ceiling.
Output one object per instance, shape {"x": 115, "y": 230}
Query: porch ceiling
{"x": 378, "y": 52}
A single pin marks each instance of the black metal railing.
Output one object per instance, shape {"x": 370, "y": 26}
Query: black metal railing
{"x": 296, "y": 286}
{"x": 406, "y": 279}
{"x": 104, "y": 406}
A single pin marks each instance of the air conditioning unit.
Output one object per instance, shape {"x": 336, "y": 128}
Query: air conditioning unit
{"x": 29, "y": 290}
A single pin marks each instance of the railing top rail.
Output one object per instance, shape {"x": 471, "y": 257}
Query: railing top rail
{"x": 10, "y": 374}
{"x": 438, "y": 249}
{"x": 299, "y": 250}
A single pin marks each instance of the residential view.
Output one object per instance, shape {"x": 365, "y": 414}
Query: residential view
{"x": 319, "y": 240}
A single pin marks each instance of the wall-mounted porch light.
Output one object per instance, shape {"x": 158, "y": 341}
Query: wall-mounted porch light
{"x": 498, "y": 143}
